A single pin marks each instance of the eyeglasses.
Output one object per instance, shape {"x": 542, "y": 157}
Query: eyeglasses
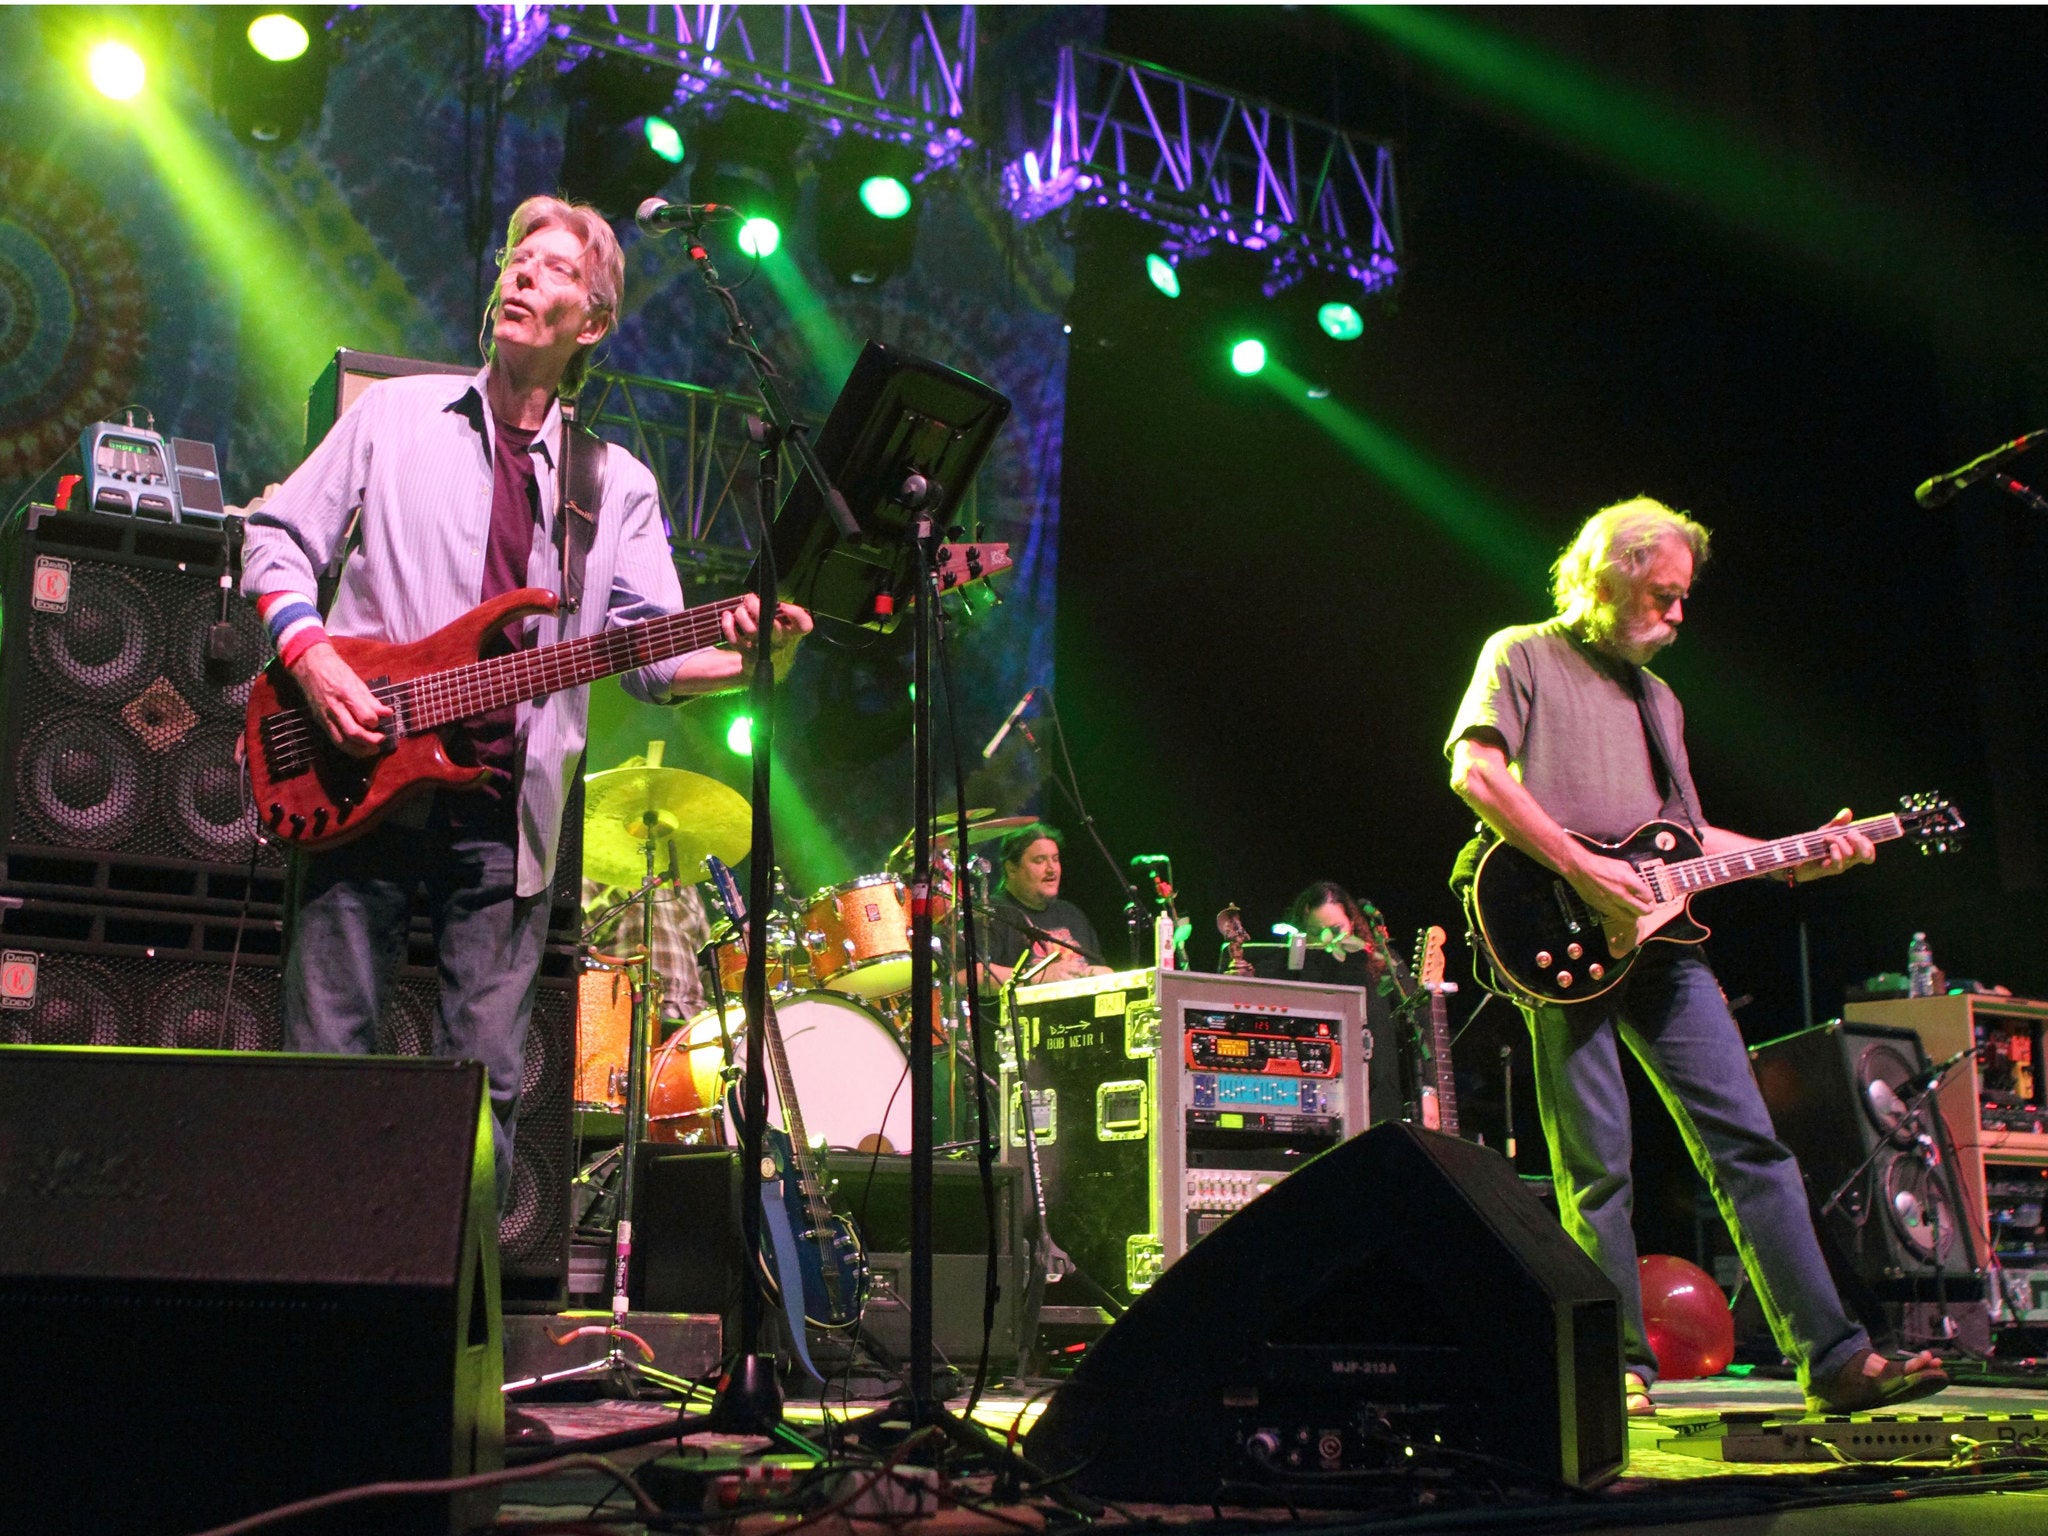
{"x": 557, "y": 269}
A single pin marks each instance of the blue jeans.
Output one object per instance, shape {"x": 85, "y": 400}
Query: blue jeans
{"x": 1672, "y": 1016}
{"x": 351, "y": 909}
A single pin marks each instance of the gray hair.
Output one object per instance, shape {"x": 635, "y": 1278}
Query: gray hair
{"x": 1614, "y": 546}
{"x": 604, "y": 270}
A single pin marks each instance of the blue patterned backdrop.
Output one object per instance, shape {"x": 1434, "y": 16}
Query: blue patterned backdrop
{"x": 112, "y": 292}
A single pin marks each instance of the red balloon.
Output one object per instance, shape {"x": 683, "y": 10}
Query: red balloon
{"x": 1691, "y": 1330}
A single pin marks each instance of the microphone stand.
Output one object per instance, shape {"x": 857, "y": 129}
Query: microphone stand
{"x": 2021, "y": 491}
{"x": 1134, "y": 916}
{"x": 749, "y": 1399}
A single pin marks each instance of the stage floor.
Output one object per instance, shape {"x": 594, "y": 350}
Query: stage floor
{"x": 1662, "y": 1487}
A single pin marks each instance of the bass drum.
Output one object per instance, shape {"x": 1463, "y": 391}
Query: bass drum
{"x": 851, "y": 1077}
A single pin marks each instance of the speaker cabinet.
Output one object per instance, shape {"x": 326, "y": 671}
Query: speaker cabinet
{"x": 1400, "y": 1288}
{"x": 117, "y": 734}
{"x": 1837, "y": 1099}
{"x": 234, "y": 1281}
{"x": 86, "y": 974}
{"x": 687, "y": 1248}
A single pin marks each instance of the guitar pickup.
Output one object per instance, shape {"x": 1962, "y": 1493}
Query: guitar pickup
{"x": 1567, "y": 905}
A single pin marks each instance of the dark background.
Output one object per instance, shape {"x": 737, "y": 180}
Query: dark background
{"x": 1261, "y": 642}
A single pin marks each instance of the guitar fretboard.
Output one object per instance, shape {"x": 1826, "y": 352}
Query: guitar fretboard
{"x": 1710, "y": 870}
{"x": 436, "y": 699}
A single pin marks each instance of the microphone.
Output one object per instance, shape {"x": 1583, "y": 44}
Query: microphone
{"x": 1921, "y": 1081}
{"x": 657, "y": 216}
{"x": 1943, "y": 488}
{"x": 1009, "y": 720}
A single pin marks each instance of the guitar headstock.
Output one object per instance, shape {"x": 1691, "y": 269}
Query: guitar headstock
{"x": 1932, "y": 822}
{"x": 1429, "y": 957}
{"x": 1230, "y": 923}
{"x": 959, "y": 564}
{"x": 728, "y": 893}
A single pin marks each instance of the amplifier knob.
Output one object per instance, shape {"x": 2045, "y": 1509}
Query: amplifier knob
{"x": 1543, "y": 959}
{"x": 1572, "y": 951}
{"x": 1564, "y": 978}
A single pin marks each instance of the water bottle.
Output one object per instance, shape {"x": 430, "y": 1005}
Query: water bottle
{"x": 1919, "y": 968}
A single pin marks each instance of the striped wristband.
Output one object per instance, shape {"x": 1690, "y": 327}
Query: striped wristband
{"x": 294, "y": 623}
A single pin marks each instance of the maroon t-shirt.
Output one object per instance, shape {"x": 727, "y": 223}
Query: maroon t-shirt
{"x": 515, "y": 507}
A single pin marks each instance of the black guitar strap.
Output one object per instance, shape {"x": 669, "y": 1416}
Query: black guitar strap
{"x": 1660, "y": 753}
{"x": 582, "y": 496}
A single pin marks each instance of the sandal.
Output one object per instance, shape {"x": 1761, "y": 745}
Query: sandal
{"x": 1871, "y": 1381}
{"x": 1636, "y": 1394}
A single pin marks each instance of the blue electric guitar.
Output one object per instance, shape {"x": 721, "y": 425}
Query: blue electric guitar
{"x": 798, "y": 1223}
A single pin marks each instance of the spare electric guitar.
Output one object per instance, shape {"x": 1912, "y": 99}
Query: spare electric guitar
{"x": 1547, "y": 946}
{"x": 311, "y": 794}
{"x": 1230, "y": 923}
{"x": 1437, "y": 1084}
{"x": 831, "y": 1282}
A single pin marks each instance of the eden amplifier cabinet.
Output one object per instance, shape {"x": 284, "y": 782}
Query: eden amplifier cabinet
{"x": 1162, "y": 1101}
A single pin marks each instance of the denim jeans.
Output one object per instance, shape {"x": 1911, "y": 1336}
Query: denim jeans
{"x": 1672, "y": 1016}
{"x": 351, "y": 908}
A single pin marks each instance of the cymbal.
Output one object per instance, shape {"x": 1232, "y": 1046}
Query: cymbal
{"x": 983, "y": 824}
{"x": 626, "y": 808}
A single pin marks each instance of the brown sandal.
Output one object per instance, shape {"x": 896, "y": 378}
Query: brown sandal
{"x": 1871, "y": 1381}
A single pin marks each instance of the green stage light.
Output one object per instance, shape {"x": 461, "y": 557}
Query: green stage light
{"x": 739, "y": 736}
{"x": 278, "y": 37}
{"x": 663, "y": 139}
{"x": 885, "y": 197}
{"x": 1248, "y": 356}
{"x": 116, "y": 70}
{"x": 1341, "y": 321}
{"x": 760, "y": 236}
{"x": 1163, "y": 274}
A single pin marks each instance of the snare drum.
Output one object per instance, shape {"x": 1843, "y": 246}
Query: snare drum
{"x": 604, "y": 1025}
{"x": 858, "y": 935}
{"x": 851, "y": 1077}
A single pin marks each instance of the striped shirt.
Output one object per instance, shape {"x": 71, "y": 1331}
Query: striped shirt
{"x": 415, "y": 455}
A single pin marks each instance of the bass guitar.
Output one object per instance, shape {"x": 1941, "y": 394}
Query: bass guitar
{"x": 1547, "y": 946}
{"x": 831, "y": 1282}
{"x": 311, "y": 794}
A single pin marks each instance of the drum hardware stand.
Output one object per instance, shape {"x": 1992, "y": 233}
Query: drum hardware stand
{"x": 619, "y": 1370}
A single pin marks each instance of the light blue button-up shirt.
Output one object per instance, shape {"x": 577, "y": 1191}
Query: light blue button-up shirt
{"x": 415, "y": 455}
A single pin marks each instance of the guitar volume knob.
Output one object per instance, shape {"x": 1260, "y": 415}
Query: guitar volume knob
{"x": 1573, "y": 951}
{"x": 1543, "y": 959}
{"x": 1564, "y": 979}
{"x": 1596, "y": 970}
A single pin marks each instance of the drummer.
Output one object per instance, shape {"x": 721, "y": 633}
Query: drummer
{"x": 680, "y": 926}
{"x": 1030, "y": 899}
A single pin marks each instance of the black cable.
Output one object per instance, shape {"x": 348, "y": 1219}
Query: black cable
{"x": 1072, "y": 788}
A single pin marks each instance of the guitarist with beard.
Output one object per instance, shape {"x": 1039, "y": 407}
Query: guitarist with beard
{"x": 455, "y": 489}
{"x": 1563, "y": 727}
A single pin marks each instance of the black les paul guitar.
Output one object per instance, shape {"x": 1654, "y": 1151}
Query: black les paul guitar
{"x": 1547, "y": 946}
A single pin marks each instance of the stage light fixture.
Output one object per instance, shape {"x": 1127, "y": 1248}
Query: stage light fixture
{"x": 1248, "y": 356}
{"x": 116, "y": 70}
{"x": 1340, "y": 320}
{"x": 618, "y": 147}
{"x": 1163, "y": 274}
{"x": 278, "y": 37}
{"x": 745, "y": 158}
{"x": 867, "y": 209}
{"x": 739, "y": 736}
{"x": 270, "y": 73}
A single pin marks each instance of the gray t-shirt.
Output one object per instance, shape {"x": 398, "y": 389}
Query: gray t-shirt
{"x": 1568, "y": 715}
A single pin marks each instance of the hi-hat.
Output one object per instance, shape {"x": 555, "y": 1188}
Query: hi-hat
{"x": 695, "y": 816}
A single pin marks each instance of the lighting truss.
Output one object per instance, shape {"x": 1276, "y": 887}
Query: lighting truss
{"x": 695, "y": 440}
{"x": 1211, "y": 165}
{"x": 900, "y": 72}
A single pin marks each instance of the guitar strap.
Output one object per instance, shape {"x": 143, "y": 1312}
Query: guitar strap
{"x": 1660, "y": 753}
{"x": 582, "y": 496}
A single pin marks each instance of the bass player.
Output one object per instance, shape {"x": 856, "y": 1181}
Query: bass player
{"x": 459, "y": 482}
{"x": 1564, "y": 727}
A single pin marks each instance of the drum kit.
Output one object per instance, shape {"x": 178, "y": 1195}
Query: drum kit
{"x": 838, "y": 969}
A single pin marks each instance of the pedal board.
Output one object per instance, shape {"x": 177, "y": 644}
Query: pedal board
{"x": 1761, "y": 1436}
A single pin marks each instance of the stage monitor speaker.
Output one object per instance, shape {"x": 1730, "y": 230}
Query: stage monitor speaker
{"x": 1836, "y": 1099}
{"x": 1401, "y": 1301}
{"x": 78, "y": 973}
{"x": 117, "y": 733}
{"x": 233, "y": 1281}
